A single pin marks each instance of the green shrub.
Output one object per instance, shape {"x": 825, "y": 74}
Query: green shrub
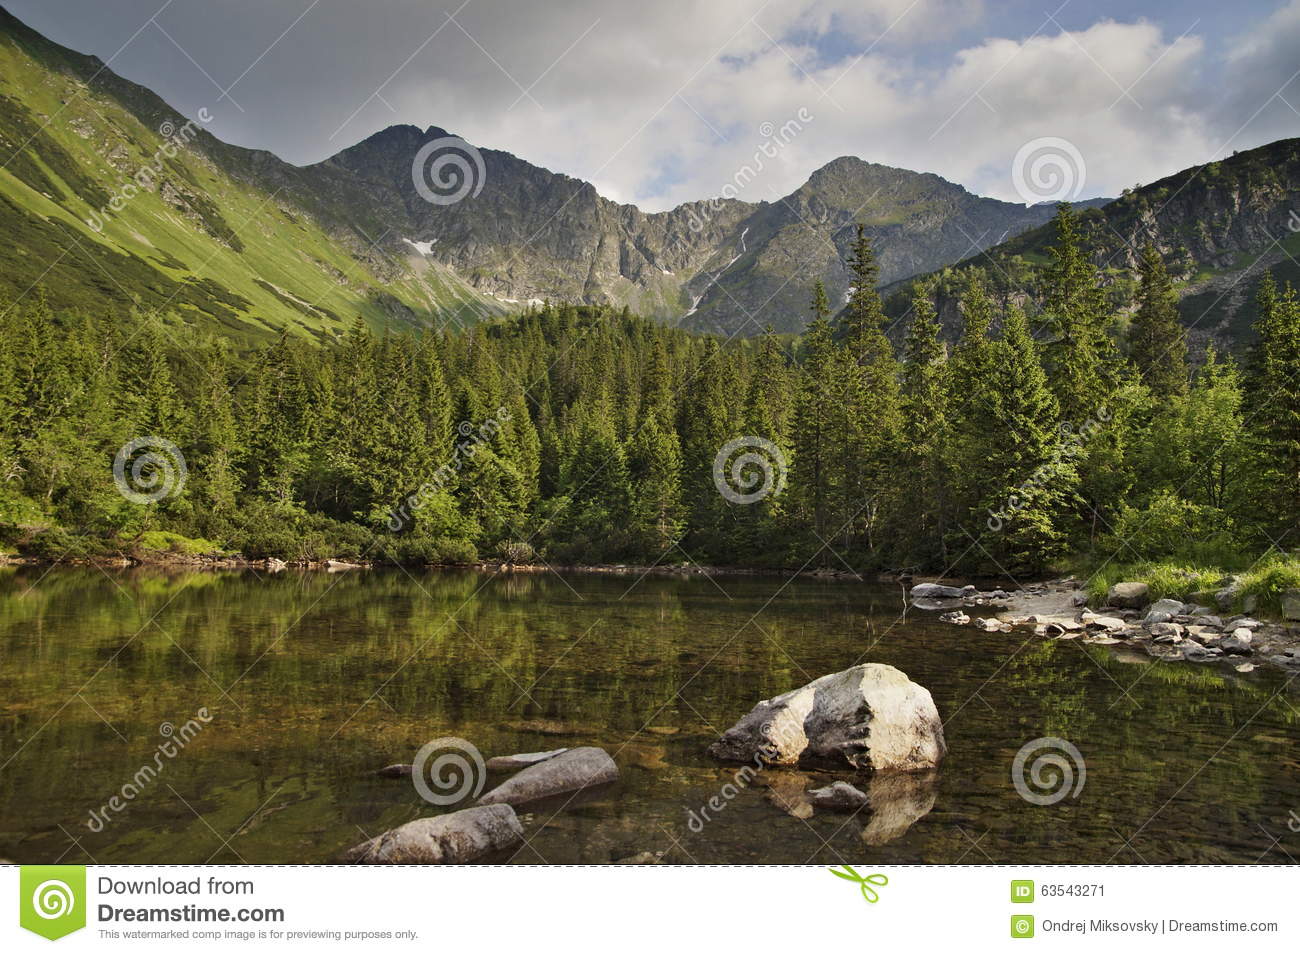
{"x": 1270, "y": 578}
{"x": 1172, "y": 527}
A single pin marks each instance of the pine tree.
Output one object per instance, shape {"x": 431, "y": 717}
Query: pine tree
{"x": 1081, "y": 358}
{"x": 868, "y": 402}
{"x": 814, "y": 415}
{"x": 1273, "y": 392}
{"x": 1034, "y": 472}
{"x": 654, "y": 464}
{"x": 974, "y": 408}
{"x": 1157, "y": 343}
{"x": 924, "y": 441}
{"x": 709, "y": 419}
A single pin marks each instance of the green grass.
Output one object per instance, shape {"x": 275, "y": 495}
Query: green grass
{"x": 164, "y": 541}
{"x": 234, "y": 256}
{"x": 1266, "y": 580}
{"x": 1166, "y": 579}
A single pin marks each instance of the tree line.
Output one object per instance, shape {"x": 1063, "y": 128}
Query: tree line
{"x": 584, "y": 435}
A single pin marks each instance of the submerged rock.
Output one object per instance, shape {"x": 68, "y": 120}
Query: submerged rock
{"x": 871, "y": 717}
{"x": 937, "y": 591}
{"x": 837, "y": 797}
{"x": 443, "y": 839}
{"x": 642, "y": 858}
{"x": 507, "y": 763}
{"x": 570, "y": 771}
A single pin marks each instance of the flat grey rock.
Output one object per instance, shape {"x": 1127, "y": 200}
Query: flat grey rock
{"x": 456, "y": 838}
{"x": 507, "y": 763}
{"x": 570, "y": 771}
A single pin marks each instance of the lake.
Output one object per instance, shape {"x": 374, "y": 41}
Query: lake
{"x": 309, "y": 682}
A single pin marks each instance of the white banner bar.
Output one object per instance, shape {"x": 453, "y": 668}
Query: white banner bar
{"x": 653, "y": 908}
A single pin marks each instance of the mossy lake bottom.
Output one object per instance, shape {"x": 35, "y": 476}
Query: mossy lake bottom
{"x": 309, "y": 682}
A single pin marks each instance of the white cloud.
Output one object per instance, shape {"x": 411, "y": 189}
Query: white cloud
{"x": 657, "y": 116}
{"x": 659, "y": 103}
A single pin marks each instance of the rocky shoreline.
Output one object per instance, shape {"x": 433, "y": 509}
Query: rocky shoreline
{"x": 1168, "y": 630}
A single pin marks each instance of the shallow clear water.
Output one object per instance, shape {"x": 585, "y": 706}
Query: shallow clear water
{"x": 312, "y": 681}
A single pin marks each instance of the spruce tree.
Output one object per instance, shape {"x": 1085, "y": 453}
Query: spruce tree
{"x": 1274, "y": 414}
{"x": 924, "y": 442}
{"x": 869, "y": 417}
{"x": 1034, "y": 471}
{"x": 1081, "y": 358}
{"x": 974, "y": 408}
{"x": 815, "y": 411}
{"x": 1157, "y": 343}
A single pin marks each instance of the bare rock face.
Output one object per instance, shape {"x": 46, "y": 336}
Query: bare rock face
{"x": 871, "y": 717}
{"x": 570, "y": 771}
{"x": 456, "y": 838}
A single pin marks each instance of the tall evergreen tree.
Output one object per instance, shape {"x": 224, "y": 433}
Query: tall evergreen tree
{"x": 1035, "y": 471}
{"x": 924, "y": 441}
{"x": 868, "y": 402}
{"x": 1081, "y": 358}
{"x": 1157, "y": 343}
{"x": 814, "y": 416}
{"x": 1273, "y": 393}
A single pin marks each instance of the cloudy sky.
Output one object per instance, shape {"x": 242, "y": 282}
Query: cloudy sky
{"x": 660, "y": 102}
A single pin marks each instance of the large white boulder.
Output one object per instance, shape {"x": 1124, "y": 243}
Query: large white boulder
{"x": 871, "y": 717}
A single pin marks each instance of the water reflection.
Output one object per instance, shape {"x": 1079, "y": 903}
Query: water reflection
{"x": 314, "y": 681}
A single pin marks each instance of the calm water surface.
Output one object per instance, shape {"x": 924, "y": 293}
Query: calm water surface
{"x": 313, "y": 681}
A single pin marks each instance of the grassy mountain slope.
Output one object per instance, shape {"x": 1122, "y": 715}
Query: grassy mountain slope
{"x": 202, "y": 238}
